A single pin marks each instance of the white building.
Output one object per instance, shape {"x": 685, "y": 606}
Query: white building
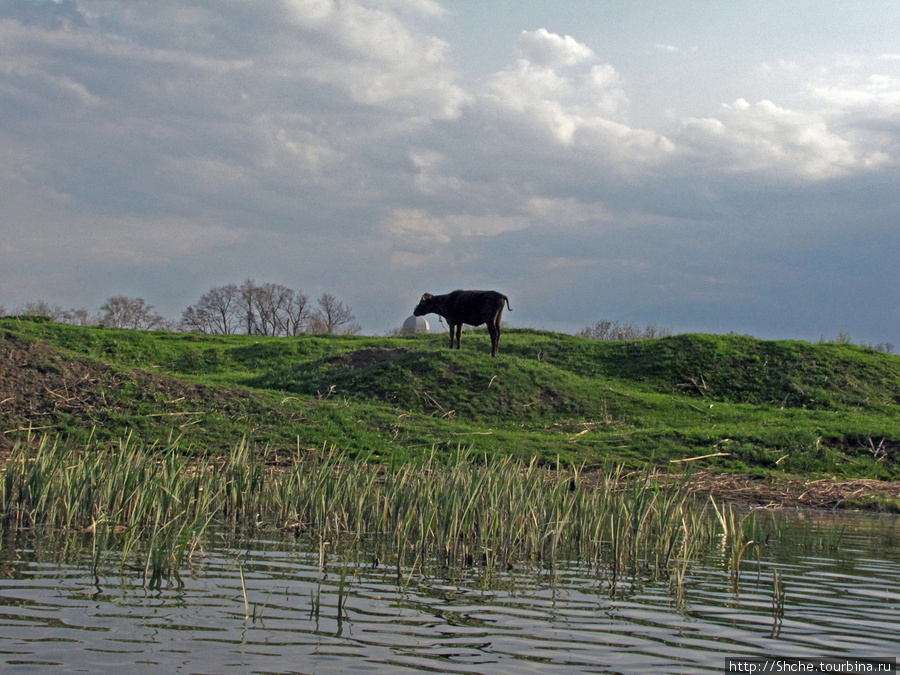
{"x": 415, "y": 324}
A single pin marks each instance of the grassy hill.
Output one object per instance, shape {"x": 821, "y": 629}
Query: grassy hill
{"x": 773, "y": 406}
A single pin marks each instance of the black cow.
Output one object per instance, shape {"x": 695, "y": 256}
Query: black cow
{"x": 471, "y": 307}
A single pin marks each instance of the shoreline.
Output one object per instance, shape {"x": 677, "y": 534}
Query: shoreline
{"x": 860, "y": 494}
{"x": 857, "y": 494}
{"x": 826, "y": 494}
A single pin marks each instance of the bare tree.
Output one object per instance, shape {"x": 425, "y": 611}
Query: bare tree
{"x": 295, "y": 318}
{"x": 333, "y": 316}
{"x": 271, "y": 303}
{"x": 216, "y": 312}
{"x": 120, "y": 311}
{"x": 247, "y": 300}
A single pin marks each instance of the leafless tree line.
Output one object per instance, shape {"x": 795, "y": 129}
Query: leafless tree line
{"x": 251, "y": 308}
{"x": 118, "y": 311}
{"x": 267, "y": 309}
{"x": 613, "y": 330}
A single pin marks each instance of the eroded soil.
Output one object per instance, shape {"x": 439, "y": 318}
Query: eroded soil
{"x": 43, "y": 390}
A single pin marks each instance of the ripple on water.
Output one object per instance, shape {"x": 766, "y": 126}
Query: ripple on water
{"x": 59, "y": 618}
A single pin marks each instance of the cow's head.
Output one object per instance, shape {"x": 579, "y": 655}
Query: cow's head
{"x": 424, "y": 306}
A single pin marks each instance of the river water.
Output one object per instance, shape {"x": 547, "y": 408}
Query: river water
{"x": 267, "y": 605}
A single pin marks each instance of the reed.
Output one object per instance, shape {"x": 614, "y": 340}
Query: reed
{"x": 735, "y": 543}
{"x": 156, "y": 504}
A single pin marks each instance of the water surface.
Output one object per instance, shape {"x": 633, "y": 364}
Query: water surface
{"x": 265, "y": 605}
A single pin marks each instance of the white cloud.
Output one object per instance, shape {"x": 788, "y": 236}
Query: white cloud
{"x": 781, "y": 67}
{"x": 420, "y": 240}
{"x": 314, "y": 154}
{"x": 373, "y": 56}
{"x": 419, "y": 230}
{"x": 579, "y": 110}
{"x": 433, "y": 176}
{"x": 566, "y": 211}
{"x": 311, "y": 13}
{"x": 878, "y": 92}
{"x": 765, "y": 137}
{"x": 548, "y": 50}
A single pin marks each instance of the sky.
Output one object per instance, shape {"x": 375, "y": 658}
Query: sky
{"x": 698, "y": 166}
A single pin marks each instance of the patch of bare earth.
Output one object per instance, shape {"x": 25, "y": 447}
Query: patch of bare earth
{"x": 38, "y": 386}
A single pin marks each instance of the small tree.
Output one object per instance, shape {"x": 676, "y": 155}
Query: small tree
{"x": 333, "y": 316}
{"x": 120, "y": 311}
{"x": 78, "y": 317}
{"x": 296, "y": 314}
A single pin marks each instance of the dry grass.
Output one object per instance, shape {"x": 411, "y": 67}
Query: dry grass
{"x": 823, "y": 493}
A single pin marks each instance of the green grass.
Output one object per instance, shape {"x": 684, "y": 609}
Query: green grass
{"x": 779, "y": 407}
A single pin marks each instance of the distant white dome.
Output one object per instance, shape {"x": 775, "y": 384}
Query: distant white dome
{"x": 415, "y": 324}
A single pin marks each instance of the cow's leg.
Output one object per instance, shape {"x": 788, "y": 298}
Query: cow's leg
{"x": 494, "y": 330}
{"x": 452, "y": 334}
{"x": 458, "y": 335}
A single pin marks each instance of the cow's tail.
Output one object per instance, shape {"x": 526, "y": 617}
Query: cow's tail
{"x": 507, "y": 303}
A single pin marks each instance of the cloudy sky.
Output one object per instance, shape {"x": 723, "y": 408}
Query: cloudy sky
{"x": 703, "y": 165}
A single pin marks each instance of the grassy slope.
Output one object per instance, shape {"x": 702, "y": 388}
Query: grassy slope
{"x": 788, "y": 407}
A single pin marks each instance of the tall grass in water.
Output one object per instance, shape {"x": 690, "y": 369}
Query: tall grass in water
{"x": 735, "y": 540}
{"x": 149, "y": 502}
{"x": 156, "y": 502}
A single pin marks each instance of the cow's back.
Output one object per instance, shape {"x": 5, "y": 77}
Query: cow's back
{"x": 474, "y": 307}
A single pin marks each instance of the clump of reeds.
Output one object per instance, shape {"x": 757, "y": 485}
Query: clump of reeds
{"x": 157, "y": 502}
{"x": 153, "y": 502}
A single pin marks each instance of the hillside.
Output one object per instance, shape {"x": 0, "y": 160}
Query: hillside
{"x": 769, "y": 406}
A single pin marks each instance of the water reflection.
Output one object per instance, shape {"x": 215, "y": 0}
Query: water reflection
{"x": 272, "y": 609}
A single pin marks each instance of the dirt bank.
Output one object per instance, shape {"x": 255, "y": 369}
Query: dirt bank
{"x": 824, "y": 493}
